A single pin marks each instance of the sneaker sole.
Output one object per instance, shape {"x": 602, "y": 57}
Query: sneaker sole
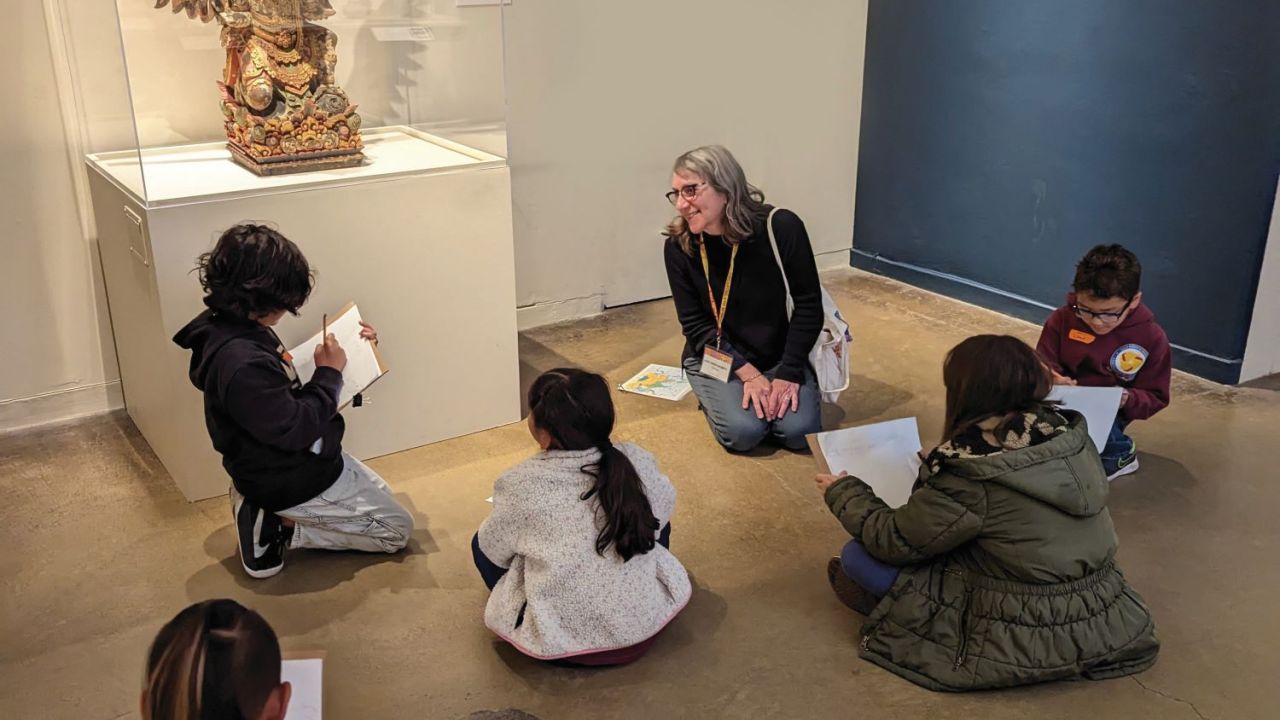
{"x": 1126, "y": 470}
{"x": 259, "y": 574}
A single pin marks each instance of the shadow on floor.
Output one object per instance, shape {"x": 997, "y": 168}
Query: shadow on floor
{"x": 535, "y": 359}
{"x": 866, "y": 399}
{"x": 1270, "y": 382}
{"x": 689, "y": 634}
{"x": 312, "y": 582}
{"x": 509, "y": 714}
{"x": 1160, "y": 493}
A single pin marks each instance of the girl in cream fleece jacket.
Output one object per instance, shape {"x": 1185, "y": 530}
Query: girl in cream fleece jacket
{"x": 575, "y": 548}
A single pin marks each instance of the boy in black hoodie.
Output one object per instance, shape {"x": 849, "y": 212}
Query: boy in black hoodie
{"x": 280, "y": 440}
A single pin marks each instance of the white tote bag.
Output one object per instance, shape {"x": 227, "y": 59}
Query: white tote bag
{"x": 830, "y": 354}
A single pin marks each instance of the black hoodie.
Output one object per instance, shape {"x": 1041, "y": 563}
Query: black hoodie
{"x": 260, "y": 418}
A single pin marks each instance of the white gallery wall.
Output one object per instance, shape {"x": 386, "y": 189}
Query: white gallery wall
{"x": 57, "y": 358}
{"x": 1262, "y": 349}
{"x": 603, "y": 96}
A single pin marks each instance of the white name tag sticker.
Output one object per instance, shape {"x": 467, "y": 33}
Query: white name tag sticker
{"x": 716, "y": 364}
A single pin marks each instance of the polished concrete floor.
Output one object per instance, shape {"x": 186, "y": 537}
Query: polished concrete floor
{"x": 99, "y": 549}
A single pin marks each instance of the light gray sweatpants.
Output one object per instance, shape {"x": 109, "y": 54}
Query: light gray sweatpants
{"x": 357, "y": 512}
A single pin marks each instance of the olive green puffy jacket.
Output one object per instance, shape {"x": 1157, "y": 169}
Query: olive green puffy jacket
{"x": 1008, "y": 573}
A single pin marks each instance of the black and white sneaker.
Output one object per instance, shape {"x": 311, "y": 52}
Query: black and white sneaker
{"x": 261, "y": 539}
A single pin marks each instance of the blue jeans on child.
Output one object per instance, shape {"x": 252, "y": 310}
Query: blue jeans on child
{"x": 872, "y": 575}
{"x": 1118, "y": 447}
{"x": 492, "y": 572}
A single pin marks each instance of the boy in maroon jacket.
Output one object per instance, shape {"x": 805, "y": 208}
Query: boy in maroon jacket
{"x": 1104, "y": 336}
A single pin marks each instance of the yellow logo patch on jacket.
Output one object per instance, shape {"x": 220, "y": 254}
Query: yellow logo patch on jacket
{"x": 1127, "y": 360}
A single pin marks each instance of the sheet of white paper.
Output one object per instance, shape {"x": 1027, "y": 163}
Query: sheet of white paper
{"x": 306, "y": 676}
{"x": 362, "y": 365}
{"x": 1099, "y": 406}
{"x": 883, "y": 455}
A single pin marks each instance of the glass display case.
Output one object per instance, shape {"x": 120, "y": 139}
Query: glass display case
{"x": 301, "y": 93}
{"x": 369, "y": 132}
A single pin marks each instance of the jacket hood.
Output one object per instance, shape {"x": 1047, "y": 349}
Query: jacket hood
{"x": 206, "y": 335}
{"x": 1057, "y": 472}
{"x": 1141, "y": 315}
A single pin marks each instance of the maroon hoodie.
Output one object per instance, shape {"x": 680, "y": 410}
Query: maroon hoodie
{"x": 1134, "y": 356}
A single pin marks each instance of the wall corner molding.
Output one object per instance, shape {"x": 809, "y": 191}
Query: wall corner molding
{"x": 60, "y": 405}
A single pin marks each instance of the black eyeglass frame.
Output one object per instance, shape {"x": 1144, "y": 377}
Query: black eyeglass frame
{"x": 1106, "y": 317}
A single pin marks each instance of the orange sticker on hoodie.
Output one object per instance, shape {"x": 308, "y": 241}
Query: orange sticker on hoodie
{"x": 1082, "y": 336}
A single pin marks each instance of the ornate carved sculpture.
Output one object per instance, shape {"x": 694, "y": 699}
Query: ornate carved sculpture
{"x": 284, "y": 111}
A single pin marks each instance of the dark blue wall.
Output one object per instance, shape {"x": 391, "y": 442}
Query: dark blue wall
{"x": 1003, "y": 138}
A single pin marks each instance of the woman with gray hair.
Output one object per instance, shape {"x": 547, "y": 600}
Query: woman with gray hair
{"x": 745, "y": 358}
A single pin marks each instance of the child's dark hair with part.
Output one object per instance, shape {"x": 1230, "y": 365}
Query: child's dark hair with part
{"x": 254, "y": 271}
{"x": 216, "y": 660}
{"x": 1109, "y": 271}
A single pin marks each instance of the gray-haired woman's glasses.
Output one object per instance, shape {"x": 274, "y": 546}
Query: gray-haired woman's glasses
{"x": 688, "y": 192}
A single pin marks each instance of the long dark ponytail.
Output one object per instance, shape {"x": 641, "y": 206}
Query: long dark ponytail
{"x": 215, "y": 659}
{"x": 575, "y": 408}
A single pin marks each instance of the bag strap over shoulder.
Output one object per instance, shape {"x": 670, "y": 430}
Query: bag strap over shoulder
{"x": 777, "y": 256}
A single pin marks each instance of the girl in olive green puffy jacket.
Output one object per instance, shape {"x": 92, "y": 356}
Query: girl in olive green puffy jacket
{"x": 1000, "y": 568}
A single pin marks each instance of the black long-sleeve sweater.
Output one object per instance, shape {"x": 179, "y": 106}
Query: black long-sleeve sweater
{"x": 260, "y": 418}
{"x": 756, "y": 329}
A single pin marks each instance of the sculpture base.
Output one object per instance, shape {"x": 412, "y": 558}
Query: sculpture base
{"x": 288, "y": 164}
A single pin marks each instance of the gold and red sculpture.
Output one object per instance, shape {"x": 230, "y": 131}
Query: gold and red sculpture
{"x": 284, "y": 111}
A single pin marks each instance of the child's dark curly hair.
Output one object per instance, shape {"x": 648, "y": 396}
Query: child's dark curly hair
{"x": 254, "y": 271}
{"x": 1109, "y": 271}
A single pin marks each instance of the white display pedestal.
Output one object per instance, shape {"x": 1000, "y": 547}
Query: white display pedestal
{"x": 420, "y": 238}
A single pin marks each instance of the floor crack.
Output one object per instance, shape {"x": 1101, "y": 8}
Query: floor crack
{"x": 1166, "y": 696}
{"x": 786, "y": 486}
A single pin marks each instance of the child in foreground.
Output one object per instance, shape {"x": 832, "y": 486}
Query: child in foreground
{"x": 292, "y": 486}
{"x": 575, "y": 551}
{"x": 215, "y": 660}
{"x": 1105, "y": 337}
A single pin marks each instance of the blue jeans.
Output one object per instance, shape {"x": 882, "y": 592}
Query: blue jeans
{"x": 492, "y": 572}
{"x": 1118, "y": 447}
{"x": 740, "y": 430}
{"x": 872, "y": 575}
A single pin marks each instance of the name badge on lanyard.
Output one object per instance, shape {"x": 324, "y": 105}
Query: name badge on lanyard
{"x": 717, "y": 364}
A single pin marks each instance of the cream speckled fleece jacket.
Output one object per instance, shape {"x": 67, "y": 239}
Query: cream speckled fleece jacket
{"x": 575, "y": 601}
